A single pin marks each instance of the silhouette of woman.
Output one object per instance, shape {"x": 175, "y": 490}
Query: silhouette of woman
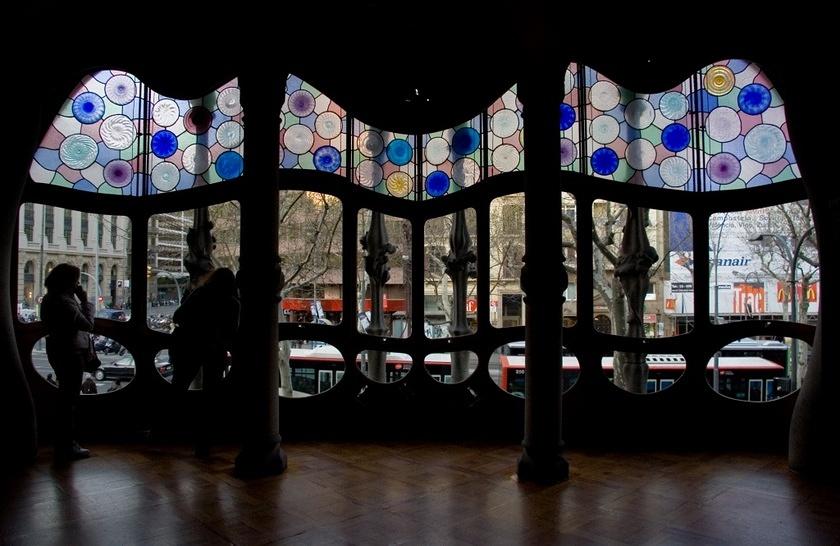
{"x": 204, "y": 336}
{"x": 68, "y": 316}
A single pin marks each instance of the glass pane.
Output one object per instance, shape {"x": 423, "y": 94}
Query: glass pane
{"x": 454, "y": 367}
{"x": 507, "y": 247}
{"x": 651, "y": 138}
{"x": 452, "y": 158}
{"x": 664, "y": 250}
{"x": 507, "y": 368}
{"x": 439, "y": 290}
{"x": 757, "y": 257}
{"x": 626, "y": 371}
{"x": 167, "y": 276}
{"x": 96, "y": 141}
{"x": 384, "y": 161}
{"x": 384, "y": 367}
{"x": 758, "y": 369}
{"x": 195, "y": 142}
{"x": 116, "y": 371}
{"x": 505, "y": 137}
{"x": 395, "y": 292}
{"x": 313, "y": 130}
{"x": 109, "y": 255}
{"x": 310, "y": 248}
{"x": 308, "y": 367}
{"x": 163, "y": 366}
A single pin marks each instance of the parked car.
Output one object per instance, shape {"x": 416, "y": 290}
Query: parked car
{"x": 123, "y": 368}
{"x": 113, "y": 314}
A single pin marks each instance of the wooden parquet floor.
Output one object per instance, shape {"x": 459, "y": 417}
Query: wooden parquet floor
{"x": 402, "y": 493}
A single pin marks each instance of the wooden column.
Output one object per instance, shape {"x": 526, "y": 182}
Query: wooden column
{"x": 544, "y": 277}
{"x": 260, "y": 276}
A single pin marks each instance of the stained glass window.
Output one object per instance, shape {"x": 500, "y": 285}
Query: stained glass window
{"x": 505, "y": 135}
{"x": 92, "y": 143}
{"x": 384, "y": 161}
{"x": 313, "y": 130}
{"x": 104, "y": 131}
{"x": 195, "y": 142}
{"x": 723, "y": 128}
{"x": 746, "y": 141}
{"x": 452, "y": 159}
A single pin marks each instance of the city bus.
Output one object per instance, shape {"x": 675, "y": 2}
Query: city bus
{"x": 752, "y": 378}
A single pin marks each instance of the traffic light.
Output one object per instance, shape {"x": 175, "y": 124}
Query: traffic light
{"x": 148, "y": 271}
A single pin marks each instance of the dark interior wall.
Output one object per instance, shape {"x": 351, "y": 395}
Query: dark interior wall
{"x": 376, "y": 91}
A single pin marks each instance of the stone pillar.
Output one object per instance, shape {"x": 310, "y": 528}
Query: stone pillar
{"x": 260, "y": 276}
{"x": 460, "y": 264}
{"x": 542, "y": 280}
{"x": 377, "y": 248}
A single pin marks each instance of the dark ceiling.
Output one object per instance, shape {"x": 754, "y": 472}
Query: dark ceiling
{"x": 419, "y": 68}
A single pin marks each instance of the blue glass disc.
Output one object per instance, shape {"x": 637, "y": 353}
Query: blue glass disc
{"x": 437, "y": 183}
{"x": 399, "y": 151}
{"x": 88, "y": 108}
{"x": 84, "y": 185}
{"x": 465, "y": 141}
{"x": 327, "y": 159}
{"x": 567, "y": 116}
{"x": 676, "y": 137}
{"x": 164, "y": 143}
{"x": 229, "y": 165}
{"x": 754, "y": 99}
{"x": 604, "y": 161}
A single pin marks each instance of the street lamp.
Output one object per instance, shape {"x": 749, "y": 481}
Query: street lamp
{"x": 793, "y": 257}
{"x": 96, "y": 289}
{"x": 716, "y": 376}
{"x": 163, "y": 273}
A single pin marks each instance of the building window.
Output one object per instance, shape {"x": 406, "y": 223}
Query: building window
{"x": 84, "y": 229}
{"x": 49, "y": 222}
{"x": 68, "y": 227}
{"x": 512, "y": 219}
{"x": 29, "y": 221}
{"x": 113, "y": 232}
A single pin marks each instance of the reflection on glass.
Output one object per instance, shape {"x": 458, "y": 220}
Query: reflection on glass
{"x": 308, "y": 367}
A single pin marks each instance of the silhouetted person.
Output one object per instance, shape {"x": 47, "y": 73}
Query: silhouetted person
{"x": 68, "y": 316}
{"x": 205, "y": 331}
{"x": 89, "y": 386}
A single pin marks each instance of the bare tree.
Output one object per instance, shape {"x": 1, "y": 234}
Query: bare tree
{"x": 786, "y": 239}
